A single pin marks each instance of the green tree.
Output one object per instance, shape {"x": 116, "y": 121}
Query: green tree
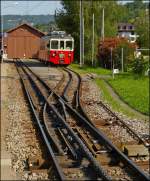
{"x": 68, "y": 20}
{"x": 142, "y": 27}
{"x": 138, "y": 14}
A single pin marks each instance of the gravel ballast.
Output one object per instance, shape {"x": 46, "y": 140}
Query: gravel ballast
{"x": 91, "y": 96}
{"x": 21, "y": 138}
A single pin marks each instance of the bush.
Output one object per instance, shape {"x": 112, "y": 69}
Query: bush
{"x": 104, "y": 52}
{"x": 139, "y": 66}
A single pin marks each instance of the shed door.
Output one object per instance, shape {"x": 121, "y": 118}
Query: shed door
{"x": 16, "y": 47}
{"x": 23, "y": 46}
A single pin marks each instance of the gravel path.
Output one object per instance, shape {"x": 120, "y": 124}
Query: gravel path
{"x": 21, "y": 138}
{"x": 7, "y": 172}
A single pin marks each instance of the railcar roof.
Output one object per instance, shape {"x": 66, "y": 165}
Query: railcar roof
{"x": 57, "y": 37}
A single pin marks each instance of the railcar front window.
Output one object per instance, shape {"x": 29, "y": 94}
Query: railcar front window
{"x": 61, "y": 45}
{"x": 54, "y": 44}
{"x": 69, "y": 45}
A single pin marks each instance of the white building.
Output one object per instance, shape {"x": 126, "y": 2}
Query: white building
{"x": 127, "y": 30}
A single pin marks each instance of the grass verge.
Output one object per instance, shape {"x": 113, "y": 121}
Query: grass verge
{"x": 87, "y": 69}
{"x": 107, "y": 97}
{"x": 133, "y": 91}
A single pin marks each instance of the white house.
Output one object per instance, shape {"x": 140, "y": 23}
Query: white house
{"x": 127, "y": 30}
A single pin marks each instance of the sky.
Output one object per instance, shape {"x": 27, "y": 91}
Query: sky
{"x": 33, "y": 7}
{"x": 29, "y": 7}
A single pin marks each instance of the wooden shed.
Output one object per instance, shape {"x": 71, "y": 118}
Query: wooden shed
{"x": 23, "y": 41}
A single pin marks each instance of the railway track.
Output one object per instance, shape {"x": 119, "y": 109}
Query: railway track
{"x": 77, "y": 103}
{"x": 71, "y": 139}
{"x": 84, "y": 169}
{"x": 136, "y": 148}
{"x": 116, "y": 120}
{"x": 72, "y": 91}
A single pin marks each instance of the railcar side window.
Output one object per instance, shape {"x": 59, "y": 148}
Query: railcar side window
{"x": 54, "y": 44}
{"x": 61, "y": 45}
{"x": 69, "y": 45}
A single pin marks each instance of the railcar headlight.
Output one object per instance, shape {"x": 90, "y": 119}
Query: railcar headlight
{"x": 69, "y": 54}
{"x": 53, "y": 54}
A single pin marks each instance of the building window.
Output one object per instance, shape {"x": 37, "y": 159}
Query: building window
{"x": 130, "y": 27}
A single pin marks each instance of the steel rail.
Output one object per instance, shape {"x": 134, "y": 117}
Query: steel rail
{"x": 75, "y": 96}
{"x": 60, "y": 82}
{"x": 83, "y": 113}
{"x": 65, "y": 91}
{"x": 109, "y": 144}
{"x": 49, "y": 132}
{"x": 98, "y": 134}
{"x": 78, "y": 104}
{"x": 99, "y": 170}
{"x": 74, "y": 135}
{"x": 87, "y": 120}
{"x": 44, "y": 112}
{"x": 40, "y": 126}
{"x": 124, "y": 124}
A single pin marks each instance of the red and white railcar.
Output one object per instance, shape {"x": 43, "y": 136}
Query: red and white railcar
{"x": 57, "y": 48}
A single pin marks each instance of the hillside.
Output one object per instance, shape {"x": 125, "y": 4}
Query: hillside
{"x": 11, "y": 21}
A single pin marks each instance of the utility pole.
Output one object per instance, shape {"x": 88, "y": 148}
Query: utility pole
{"x": 112, "y": 62}
{"x": 111, "y": 58}
{"x": 122, "y": 59}
{"x": 83, "y": 40}
{"x": 81, "y": 33}
{"x": 103, "y": 26}
{"x": 2, "y": 49}
{"x": 93, "y": 43}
